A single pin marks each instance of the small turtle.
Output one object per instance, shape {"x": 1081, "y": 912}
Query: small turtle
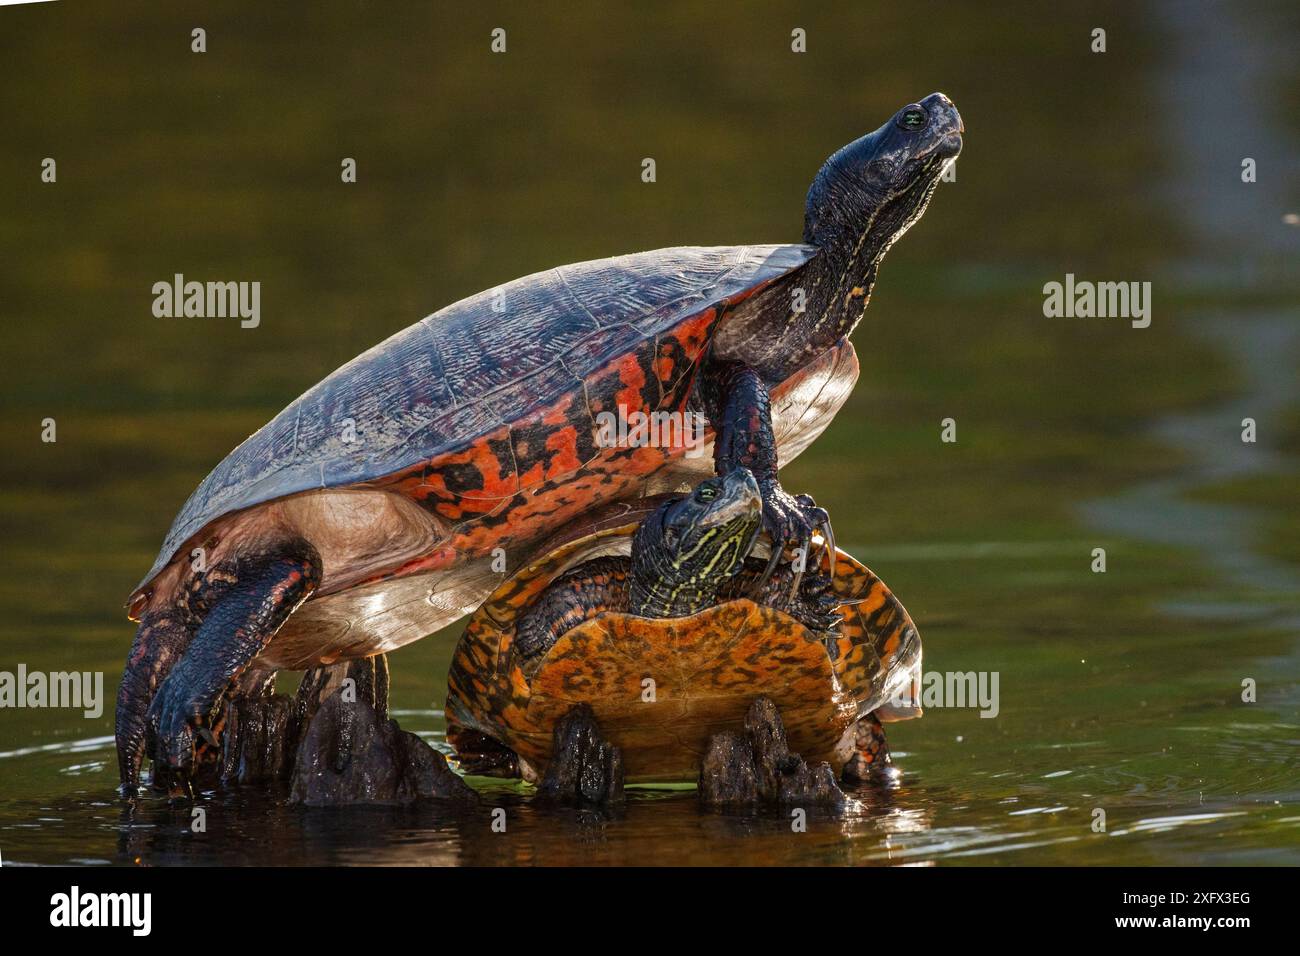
{"x": 668, "y": 646}
{"x": 370, "y": 511}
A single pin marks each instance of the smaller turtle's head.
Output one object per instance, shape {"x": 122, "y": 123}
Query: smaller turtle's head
{"x": 688, "y": 548}
{"x": 877, "y": 186}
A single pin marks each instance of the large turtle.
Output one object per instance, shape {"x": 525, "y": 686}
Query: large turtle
{"x": 649, "y": 614}
{"x": 370, "y": 511}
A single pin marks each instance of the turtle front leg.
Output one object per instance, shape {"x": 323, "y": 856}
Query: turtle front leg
{"x": 740, "y": 408}
{"x": 237, "y": 626}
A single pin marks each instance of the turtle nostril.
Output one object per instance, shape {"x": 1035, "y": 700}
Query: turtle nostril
{"x": 913, "y": 118}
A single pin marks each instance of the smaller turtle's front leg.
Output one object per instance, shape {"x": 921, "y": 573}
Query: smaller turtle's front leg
{"x": 239, "y": 624}
{"x": 738, "y": 404}
{"x": 595, "y": 586}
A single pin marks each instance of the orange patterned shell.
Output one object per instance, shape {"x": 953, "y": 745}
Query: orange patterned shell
{"x": 661, "y": 687}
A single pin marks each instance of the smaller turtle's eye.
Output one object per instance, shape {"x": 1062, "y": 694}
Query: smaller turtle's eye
{"x": 707, "y": 493}
{"x": 913, "y": 118}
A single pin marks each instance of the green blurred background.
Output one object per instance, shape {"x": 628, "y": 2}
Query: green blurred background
{"x": 1119, "y": 691}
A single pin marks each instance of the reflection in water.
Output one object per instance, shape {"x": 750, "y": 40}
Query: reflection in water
{"x": 253, "y": 826}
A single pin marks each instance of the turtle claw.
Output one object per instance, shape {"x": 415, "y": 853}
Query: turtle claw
{"x": 791, "y": 523}
{"x": 817, "y": 519}
{"x": 794, "y": 587}
{"x": 181, "y": 723}
{"x": 761, "y": 583}
{"x": 828, "y": 534}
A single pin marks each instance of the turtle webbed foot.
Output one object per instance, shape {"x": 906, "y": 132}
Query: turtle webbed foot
{"x": 478, "y": 755}
{"x": 809, "y": 597}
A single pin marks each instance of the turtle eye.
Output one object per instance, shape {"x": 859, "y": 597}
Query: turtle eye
{"x": 912, "y": 119}
{"x": 707, "y": 493}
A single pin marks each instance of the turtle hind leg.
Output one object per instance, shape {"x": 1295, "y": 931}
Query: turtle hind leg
{"x": 585, "y": 770}
{"x": 871, "y": 762}
{"x": 593, "y": 587}
{"x": 159, "y": 642}
{"x": 479, "y": 755}
{"x": 239, "y": 623}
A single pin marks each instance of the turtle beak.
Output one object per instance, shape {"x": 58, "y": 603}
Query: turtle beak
{"x": 741, "y": 499}
{"x": 945, "y": 127}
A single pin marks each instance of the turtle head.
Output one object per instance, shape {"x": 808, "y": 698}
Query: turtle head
{"x": 688, "y": 548}
{"x": 870, "y": 192}
{"x": 886, "y": 178}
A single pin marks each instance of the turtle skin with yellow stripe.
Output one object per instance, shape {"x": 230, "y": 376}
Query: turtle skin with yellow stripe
{"x": 659, "y": 688}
